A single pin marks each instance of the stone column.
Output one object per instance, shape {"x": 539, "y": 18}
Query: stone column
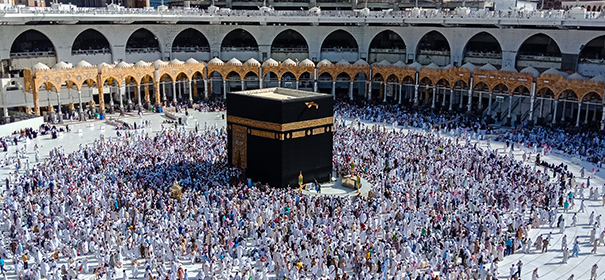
{"x": 189, "y": 87}
{"x": 225, "y": 89}
{"x": 351, "y": 90}
{"x": 541, "y": 107}
{"x": 137, "y": 92}
{"x": 59, "y": 105}
{"x": 147, "y": 98}
{"x": 470, "y": 98}
{"x": 101, "y": 100}
{"x": 296, "y": 83}
{"x": 460, "y": 104}
{"x": 579, "y": 111}
{"x": 603, "y": 117}
{"x": 384, "y": 92}
{"x": 480, "y": 101}
{"x": 121, "y": 91}
{"x": 443, "y": 100}
{"x": 400, "y": 94}
{"x": 111, "y": 104}
{"x": 532, "y": 101}
{"x": 451, "y": 99}
{"x": 164, "y": 93}
{"x": 80, "y": 110}
{"x": 416, "y": 94}
{"x": 510, "y": 105}
{"x": 434, "y": 97}
{"x": 36, "y": 100}
{"x": 489, "y": 104}
{"x": 587, "y": 111}
{"x": 174, "y": 93}
{"x": 206, "y": 88}
{"x": 278, "y": 83}
{"x": 369, "y": 95}
{"x": 554, "y": 116}
{"x": 243, "y": 84}
{"x": 334, "y": 90}
{"x": 260, "y": 77}
{"x": 156, "y": 89}
{"x": 563, "y": 115}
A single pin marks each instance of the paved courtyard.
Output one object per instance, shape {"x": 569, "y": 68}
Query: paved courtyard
{"x": 549, "y": 264}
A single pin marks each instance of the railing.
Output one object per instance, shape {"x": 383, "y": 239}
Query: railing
{"x": 434, "y": 52}
{"x": 191, "y": 49}
{"x": 289, "y": 50}
{"x": 339, "y": 49}
{"x": 239, "y": 49}
{"x": 395, "y": 51}
{"x": 484, "y": 55}
{"x": 392, "y": 15}
{"x": 540, "y": 58}
{"x": 593, "y": 60}
{"x": 141, "y": 50}
{"x": 91, "y": 52}
{"x": 33, "y": 54}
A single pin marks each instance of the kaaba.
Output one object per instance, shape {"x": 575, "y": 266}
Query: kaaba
{"x": 275, "y": 134}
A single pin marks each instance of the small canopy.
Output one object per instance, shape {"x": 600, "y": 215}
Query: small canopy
{"x": 159, "y": 63}
{"x": 252, "y": 62}
{"x": 488, "y": 67}
{"x": 324, "y": 62}
{"x": 535, "y": 73}
{"x": 216, "y": 61}
{"x": 576, "y": 76}
{"x": 432, "y": 66}
{"x": 308, "y": 63}
{"x": 62, "y": 65}
{"x": 141, "y": 63}
{"x": 270, "y": 62}
{"x": 471, "y": 67}
{"x": 123, "y": 64}
{"x": 416, "y": 66}
{"x": 361, "y": 62}
{"x": 191, "y": 61}
{"x": 509, "y": 68}
{"x": 343, "y": 62}
{"x": 83, "y": 64}
{"x": 235, "y": 62}
{"x": 289, "y": 62}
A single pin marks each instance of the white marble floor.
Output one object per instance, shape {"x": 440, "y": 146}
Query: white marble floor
{"x": 549, "y": 264}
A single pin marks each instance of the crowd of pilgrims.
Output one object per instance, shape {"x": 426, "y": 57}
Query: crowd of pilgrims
{"x": 590, "y": 145}
{"x": 440, "y": 208}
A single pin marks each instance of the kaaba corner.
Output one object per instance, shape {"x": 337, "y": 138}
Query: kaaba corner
{"x": 275, "y": 134}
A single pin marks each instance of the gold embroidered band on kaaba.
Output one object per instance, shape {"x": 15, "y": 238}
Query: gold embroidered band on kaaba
{"x": 284, "y": 131}
{"x": 280, "y": 127}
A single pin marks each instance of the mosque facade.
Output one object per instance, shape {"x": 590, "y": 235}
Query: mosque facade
{"x": 532, "y": 67}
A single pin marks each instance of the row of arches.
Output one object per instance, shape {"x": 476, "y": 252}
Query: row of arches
{"x": 482, "y": 48}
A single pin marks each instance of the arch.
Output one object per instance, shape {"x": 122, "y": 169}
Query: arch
{"x": 483, "y": 46}
{"x": 90, "y": 41}
{"x": 233, "y": 74}
{"x": 593, "y": 51}
{"x": 393, "y": 79}
{"x": 540, "y": 51}
{"x": 387, "y": 45}
{"x": 521, "y": 90}
{"x": 481, "y": 86}
{"x": 340, "y": 41}
{"x": 142, "y": 40}
{"x": 443, "y": 82}
{"x": 287, "y": 77}
{"x": 342, "y": 77}
{"x": 433, "y": 47}
{"x": 288, "y": 41}
{"x": 190, "y": 40}
{"x": 592, "y": 98}
{"x": 32, "y": 43}
{"x": 239, "y": 40}
{"x": 500, "y": 88}
{"x": 567, "y": 95}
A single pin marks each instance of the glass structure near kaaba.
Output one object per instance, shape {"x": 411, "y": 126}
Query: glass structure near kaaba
{"x": 275, "y": 134}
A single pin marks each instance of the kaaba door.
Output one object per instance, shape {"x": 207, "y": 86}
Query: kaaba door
{"x": 240, "y": 149}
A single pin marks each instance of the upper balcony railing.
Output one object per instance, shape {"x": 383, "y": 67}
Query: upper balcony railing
{"x": 70, "y": 13}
